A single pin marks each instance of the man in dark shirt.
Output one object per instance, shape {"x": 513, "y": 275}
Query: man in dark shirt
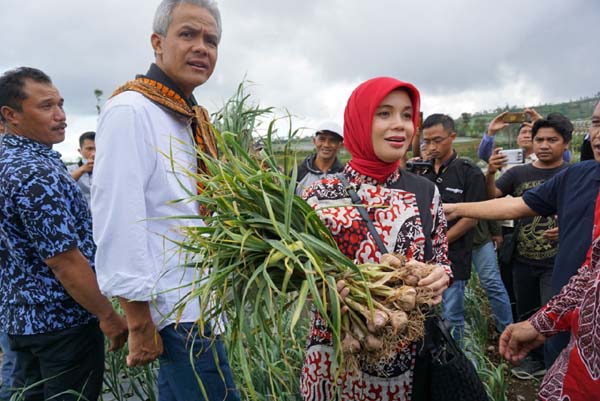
{"x": 572, "y": 195}
{"x": 328, "y": 141}
{"x": 536, "y": 237}
{"x": 51, "y": 306}
{"x": 458, "y": 180}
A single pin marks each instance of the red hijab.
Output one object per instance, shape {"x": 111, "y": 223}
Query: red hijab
{"x": 358, "y": 121}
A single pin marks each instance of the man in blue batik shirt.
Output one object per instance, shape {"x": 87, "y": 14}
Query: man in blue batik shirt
{"x": 51, "y": 307}
{"x": 8, "y": 356}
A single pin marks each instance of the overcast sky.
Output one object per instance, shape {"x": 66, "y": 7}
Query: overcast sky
{"x": 307, "y": 56}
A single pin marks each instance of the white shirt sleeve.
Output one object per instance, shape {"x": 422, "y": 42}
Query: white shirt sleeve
{"x": 125, "y": 160}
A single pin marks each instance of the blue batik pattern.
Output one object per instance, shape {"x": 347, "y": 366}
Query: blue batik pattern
{"x": 42, "y": 214}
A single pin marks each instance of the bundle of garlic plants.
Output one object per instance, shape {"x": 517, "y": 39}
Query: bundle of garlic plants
{"x": 263, "y": 255}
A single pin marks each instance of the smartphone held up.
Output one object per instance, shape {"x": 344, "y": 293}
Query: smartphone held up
{"x": 515, "y": 117}
{"x": 514, "y": 156}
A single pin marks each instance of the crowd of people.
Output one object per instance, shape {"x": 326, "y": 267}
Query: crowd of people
{"x": 59, "y": 271}
{"x": 570, "y": 198}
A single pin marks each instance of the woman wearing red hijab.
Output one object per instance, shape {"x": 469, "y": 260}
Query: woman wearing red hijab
{"x": 379, "y": 122}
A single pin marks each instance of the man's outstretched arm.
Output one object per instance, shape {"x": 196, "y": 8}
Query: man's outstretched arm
{"x": 460, "y": 228}
{"x": 495, "y": 209}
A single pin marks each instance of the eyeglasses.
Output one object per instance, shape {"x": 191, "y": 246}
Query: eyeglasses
{"x": 435, "y": 141}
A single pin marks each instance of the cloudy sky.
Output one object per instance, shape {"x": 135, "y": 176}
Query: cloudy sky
{"x": 307, "y": 56}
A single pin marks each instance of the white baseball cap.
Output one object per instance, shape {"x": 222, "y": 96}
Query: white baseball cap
{"x": 330, "y": 126}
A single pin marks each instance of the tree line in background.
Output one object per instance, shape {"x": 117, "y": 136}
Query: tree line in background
{"x": 473, "y": 125}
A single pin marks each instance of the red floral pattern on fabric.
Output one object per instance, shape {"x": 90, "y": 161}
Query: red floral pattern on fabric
{"x": 396, "y": 217}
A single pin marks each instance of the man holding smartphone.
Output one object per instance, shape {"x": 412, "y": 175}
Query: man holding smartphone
{"x": 524, "y": 143}
{"x": 502, "y": 121}
{"x": 536, "y": 237}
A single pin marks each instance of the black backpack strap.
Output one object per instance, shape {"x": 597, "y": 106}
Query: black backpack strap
{"x": 424, "y": 191}
{"x": 363, "y": 212}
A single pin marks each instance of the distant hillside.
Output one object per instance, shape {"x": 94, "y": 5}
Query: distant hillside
{"x": 579, "y": 111}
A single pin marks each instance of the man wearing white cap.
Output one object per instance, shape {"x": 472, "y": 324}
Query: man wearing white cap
{"x": 328, "y": 140}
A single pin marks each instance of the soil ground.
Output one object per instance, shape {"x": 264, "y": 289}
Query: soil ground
{"x": 521, "y": 390}
{"x": 518, "y": 390}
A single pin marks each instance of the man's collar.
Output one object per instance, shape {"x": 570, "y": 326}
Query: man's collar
{"x": 20, "y": 140}
{"x": 158, "y": 75}
{"x": 450, "y": 160}
{"x": 313, "y": 168}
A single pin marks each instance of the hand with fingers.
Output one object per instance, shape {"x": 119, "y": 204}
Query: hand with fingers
{"x": 145, "y": 345}
{"x": 497, "y": 124}
{"x": 497, "y": 161}
{"x": 551, "y": 234}
{"x": 437, "y": 281}
{"x": 451, "y": 211}
{"x": 114, "y": 327}
{"x": 533, "y": 115}
{"x": 89, "y": 166}
{"x": 498, "y": 241}
{"x": 518, "y": 339}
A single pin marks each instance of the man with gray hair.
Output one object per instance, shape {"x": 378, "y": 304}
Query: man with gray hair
{"x": 132, "y": 203}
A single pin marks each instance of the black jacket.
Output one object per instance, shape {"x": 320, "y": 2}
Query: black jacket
{"x": 459, "y": 180}
{"x": 308, "y": 173}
